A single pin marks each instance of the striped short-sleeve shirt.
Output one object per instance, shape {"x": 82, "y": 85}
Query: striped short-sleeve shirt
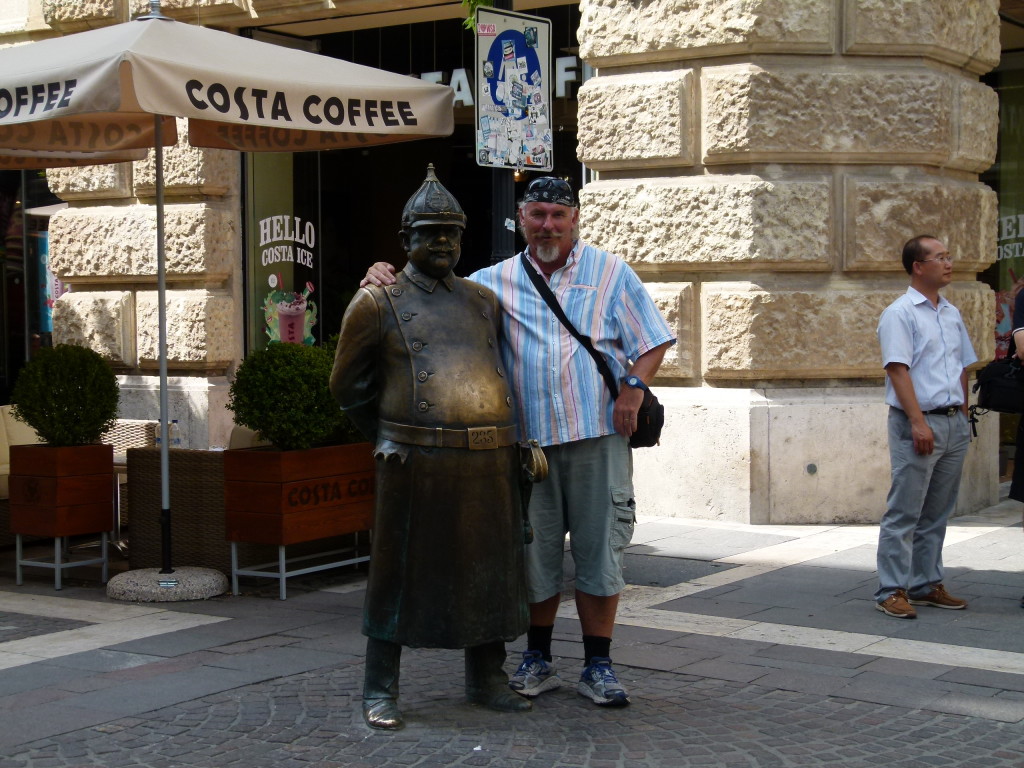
{"x": 560, "y": 395}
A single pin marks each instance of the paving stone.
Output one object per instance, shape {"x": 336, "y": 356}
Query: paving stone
{"x": 986, "y": 678}
{"x": 787, "y": 680}
{"x": 743, "y": 673}
{"x": 978, "y": 706}
{"x": 720, "y": 645}
{"x": 16, "y": 626}
{"x": 902, "y": 668}
{"x": 815, "y": 656}
{"x": 714, "y": 606}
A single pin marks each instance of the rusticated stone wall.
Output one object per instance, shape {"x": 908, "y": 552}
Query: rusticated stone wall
{"x": 758, "y": 162}
{"x": 761, "y": 164}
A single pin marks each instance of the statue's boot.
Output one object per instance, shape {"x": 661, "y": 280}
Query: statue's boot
{"x": 380, "y": 685}
{"x": 486, "y": 681}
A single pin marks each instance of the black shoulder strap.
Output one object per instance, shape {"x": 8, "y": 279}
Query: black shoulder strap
{"x": 545, "y": 292}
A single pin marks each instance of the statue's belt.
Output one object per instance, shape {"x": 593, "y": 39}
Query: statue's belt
{"x": 473, "y": 438}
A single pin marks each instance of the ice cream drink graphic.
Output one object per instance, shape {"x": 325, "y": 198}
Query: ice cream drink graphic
{"x": 290, "y": 316}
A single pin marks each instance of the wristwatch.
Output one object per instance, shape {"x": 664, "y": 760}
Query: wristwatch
{"x": 636, "y": 382}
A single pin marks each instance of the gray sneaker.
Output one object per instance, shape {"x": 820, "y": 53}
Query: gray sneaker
{"x": 534, "y": 676}
{"x": 599, "y": 684}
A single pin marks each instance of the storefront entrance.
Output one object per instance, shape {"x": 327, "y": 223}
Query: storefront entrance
{"x": 349, "y": 202}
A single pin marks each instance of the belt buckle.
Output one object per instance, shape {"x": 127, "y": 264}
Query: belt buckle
{"x": 951, "y": 411}
{"x": 482, "y": 438}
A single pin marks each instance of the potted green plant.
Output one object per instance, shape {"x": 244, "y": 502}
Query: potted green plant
{"x": 316, "y": 479}
{"x": 62, "y": 487}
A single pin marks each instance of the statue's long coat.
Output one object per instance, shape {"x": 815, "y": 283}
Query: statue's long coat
{"x": 446, "y": 566}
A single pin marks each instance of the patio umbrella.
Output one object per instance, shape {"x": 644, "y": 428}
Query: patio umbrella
{"x": 106, "y": 94}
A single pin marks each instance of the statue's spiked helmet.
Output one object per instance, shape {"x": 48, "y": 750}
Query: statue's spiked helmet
{"x": 432, "y": 204}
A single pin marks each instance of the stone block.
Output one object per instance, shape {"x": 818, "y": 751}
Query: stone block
{"x": 835, "y": 114}
{"x": 201, "y": 331}
{"x": 978, "y": 111}
{"x": 641, "y": 120}
{"x": 762, "y": 444}
{"x": 741, "y": 222}
{"x": 190, "y": 170}
{"x": 964, "y": 34}
{"x": 193, "y": 10}
{"x": 882, "y": 213}
{"x": 755, "y": 333}
{"x": 91, "y": 182}
{"x": 674, "y": 480}
{"x": 14, "y": 16}
{"x": 201, "y": 241}
{"x": 678, "y": 304}
{"x": 812, "y": 477}
{"x": 977, "y": 305}
{"x": 103, "y": 321}
{"x": 59, "y": 13}
{"x": 613, "y": 32}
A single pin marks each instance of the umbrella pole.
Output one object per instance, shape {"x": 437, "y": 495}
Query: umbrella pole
{"x": 161, "y": 285}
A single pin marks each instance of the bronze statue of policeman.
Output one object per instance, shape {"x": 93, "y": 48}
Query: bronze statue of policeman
{"x": 418, "y": 370}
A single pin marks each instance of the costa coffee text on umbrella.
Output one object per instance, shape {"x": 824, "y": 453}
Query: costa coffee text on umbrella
{"x": 245, "y": 101}
{"x": 47, "y": 96}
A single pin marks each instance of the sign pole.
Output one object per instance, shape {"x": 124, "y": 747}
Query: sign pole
{"x": 503, "y": 197}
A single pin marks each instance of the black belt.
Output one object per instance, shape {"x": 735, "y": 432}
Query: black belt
{"x": 949, "y": 410}
{"x": 473, "y": 438}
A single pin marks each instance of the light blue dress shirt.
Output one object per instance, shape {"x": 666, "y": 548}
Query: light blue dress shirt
{"x": 933, "y": 342}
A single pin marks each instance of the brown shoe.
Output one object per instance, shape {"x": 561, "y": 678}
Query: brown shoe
{"x": 939, "y": 598}
{"x": 896, "y": 605}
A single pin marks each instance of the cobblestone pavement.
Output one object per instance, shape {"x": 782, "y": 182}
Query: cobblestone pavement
{"x": 740, "y": 645}
{"x": 675, "y": 720}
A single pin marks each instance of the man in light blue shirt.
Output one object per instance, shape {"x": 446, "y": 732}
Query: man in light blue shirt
{"x": 925, "y": 352}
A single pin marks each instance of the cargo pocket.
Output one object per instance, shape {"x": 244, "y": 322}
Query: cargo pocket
{"x": 623, "y": 518}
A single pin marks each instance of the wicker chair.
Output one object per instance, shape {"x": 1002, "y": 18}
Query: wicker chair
{"x": 125, "y": 434}
{"x": 196, "y": 485}
{"x": 131, "y": 433}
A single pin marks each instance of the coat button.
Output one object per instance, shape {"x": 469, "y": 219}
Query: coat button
{"x": 500, "y": 372}
{"x": 407, "y": 315}
{"x": 396, "y": 291}
{"x": 422, "y": 375}
{"x": 422, "y": 406}
{"x": 508, "y": 401}
{"x": 417, "y": 345}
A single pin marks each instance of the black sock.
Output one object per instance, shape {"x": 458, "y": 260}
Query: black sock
{"x": 539, "y": 639}
{"x": 596, "y": 647}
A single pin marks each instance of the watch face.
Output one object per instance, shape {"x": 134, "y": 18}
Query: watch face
{"x": 633, "y": 381}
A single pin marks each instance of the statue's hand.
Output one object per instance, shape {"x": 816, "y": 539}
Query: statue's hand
{"x": 381, "y": 273}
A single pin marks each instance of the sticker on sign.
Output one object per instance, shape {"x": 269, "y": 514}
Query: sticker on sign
{"x": 487, "y": 30}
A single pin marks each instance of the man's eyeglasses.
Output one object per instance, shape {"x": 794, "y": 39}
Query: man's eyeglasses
{"x": 947, "y": 259}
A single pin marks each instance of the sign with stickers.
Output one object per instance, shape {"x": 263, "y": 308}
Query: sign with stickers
{"x": 513, "y": 82}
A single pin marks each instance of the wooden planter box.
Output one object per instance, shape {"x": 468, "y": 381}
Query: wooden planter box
{"x": 61, "y": 491}
{"x": 287, "y": 497}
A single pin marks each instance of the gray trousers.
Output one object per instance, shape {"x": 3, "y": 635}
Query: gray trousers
{"x": 921, "y": 499}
